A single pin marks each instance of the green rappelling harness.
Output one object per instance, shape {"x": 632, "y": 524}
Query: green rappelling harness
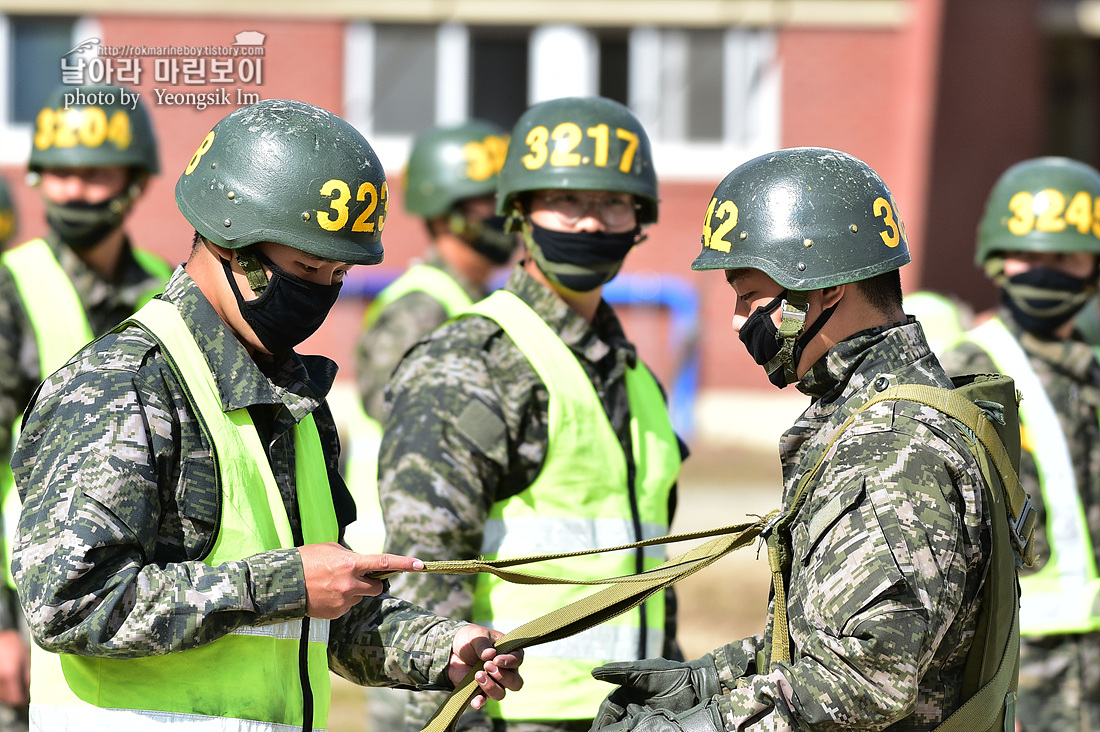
{"x": 992, "y": 666}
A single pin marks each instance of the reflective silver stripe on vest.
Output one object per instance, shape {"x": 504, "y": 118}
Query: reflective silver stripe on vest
{"x": 517, "y": 537}
{"x": 87, "y": 718}
{"x": 603, "y": 643}
{"x": 1065, "y": 516}
{"x": 290, "y": 630}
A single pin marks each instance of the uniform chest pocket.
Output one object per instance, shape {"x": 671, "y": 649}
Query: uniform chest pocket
{"x": 846, "y": 565}
{"x": 197, "y": 491}
{"x": 819, "y": 518}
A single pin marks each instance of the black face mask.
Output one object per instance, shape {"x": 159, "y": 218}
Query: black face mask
{"x": 82, "y": 225}
{"x": 583, "y": 260}
{"x": 1042, "y": 299}
{"x": 761, "y": 338}
{"x": 289, "y": 310}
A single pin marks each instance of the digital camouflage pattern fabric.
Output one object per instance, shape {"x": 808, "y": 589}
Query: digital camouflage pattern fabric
{"x": 438, "y": 482}
{"x": 120, "y": 497}
{"x": 400, "y": 325}
{"x": 1059, "y": 686}
{"x": 884, "y": 587}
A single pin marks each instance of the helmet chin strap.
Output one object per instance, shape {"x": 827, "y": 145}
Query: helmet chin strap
{"x": 795, "y": 338}
{"x": 793, "y": 308}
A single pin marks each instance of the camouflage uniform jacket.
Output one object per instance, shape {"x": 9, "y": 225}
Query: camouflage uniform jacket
{"x": 401, "y": 324}
{"x": 121, "y": 504}
{"x": 437, "y": 482}
{"x": 888, "y": 555}
{"x": 1059, "y": 674}
{"x": 106, "y": 304}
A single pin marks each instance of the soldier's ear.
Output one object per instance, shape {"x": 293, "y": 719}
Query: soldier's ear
{"x": 832, "y": 295}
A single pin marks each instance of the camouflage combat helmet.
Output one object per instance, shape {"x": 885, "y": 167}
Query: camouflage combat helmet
{"x": 91, "y": 126}
{"x": 448, "y": 164}
{"x": 579, "y": 143}
{"x": 807, "y": 217}
{"x": 7, "y": 213}
{"x": 291, "y": 173}
{"x": 1041, "y": 205}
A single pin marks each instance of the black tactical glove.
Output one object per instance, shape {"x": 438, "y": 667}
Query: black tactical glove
{"x": 656, "y": 683}
{"x": 701, "y": 718}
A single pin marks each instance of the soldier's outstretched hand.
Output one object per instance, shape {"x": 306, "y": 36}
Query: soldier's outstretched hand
{"x": 336, "y": 578}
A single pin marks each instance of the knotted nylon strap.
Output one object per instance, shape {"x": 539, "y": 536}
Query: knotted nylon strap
{"x": 944, "y": 400}
{"x": 622, "y": 594}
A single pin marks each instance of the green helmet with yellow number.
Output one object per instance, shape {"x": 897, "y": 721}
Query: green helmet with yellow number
{"x": 1046, "y": 204}
{"x": 807, "y": 217}
{"x": 287, "y": 172}
{"x": 579, "y": 143}
{"x": 94, "y": 126}
{"x": 449, "y": 164}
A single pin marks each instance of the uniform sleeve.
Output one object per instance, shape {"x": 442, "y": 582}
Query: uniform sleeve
{"x": 102, "y": 480}
{"x": 385, "y": 641}
{"x": 380, "y": 347}
{"x": 438, "y": 477}
{"x": 878, "y": 584}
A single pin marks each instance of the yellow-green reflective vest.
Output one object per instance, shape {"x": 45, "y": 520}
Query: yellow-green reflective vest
{"x": 61, "y": 329}
{"x": 1061, "y": 597}
{"x": 368, "y": 532}
{"x": 252, "y": 679}
{"x": 582, "y": 499}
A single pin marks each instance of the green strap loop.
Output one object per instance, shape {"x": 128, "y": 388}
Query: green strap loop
{"x": 622, "y": 595}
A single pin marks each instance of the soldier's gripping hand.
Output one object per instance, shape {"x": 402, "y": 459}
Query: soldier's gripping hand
{"x": 701, "y": 718}
{"x": 336, "y": 578}
{"x": 656, "y": 683}
{"x": 473, "y": 644}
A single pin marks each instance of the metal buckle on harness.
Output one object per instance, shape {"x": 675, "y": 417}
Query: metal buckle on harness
{"x": 1022, "y": 522}
{"x": 793, "y": 312}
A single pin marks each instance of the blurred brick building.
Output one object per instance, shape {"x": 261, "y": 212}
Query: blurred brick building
{"x": 938, "y": 95}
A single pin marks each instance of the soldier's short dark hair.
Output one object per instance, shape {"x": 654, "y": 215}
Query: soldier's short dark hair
{"x": 882, "y": 291}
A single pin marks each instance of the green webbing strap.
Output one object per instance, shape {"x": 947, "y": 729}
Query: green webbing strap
{"x": 623, "y": 594}
{"x": 499, "y": 567}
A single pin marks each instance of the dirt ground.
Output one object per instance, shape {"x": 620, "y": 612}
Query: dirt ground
{"x": 722, "y": 603}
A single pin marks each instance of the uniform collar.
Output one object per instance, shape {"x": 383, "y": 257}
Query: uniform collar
{"x": 594, "y": 341}
{"x": 849, "y": 365}
{"x": 299, "y": 383}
